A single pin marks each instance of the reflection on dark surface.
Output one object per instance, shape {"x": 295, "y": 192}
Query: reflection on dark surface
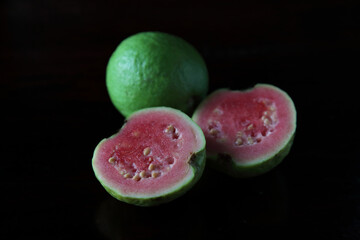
{"x": 218, "y": 206}
{"x": 118, "y": 220}
{"x": 56, "y": 109}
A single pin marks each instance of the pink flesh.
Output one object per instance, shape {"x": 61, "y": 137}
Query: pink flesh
{"x": 169, "y": 152}
{"x": 247, "y": 125}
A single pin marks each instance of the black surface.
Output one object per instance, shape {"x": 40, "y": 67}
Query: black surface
{"x": 55, "y": 109}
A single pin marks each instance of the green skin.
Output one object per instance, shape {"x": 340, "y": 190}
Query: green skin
{"x": 196, "y": 162}
{"x": 225, "y": 162}
{"x": 156, "y": 69}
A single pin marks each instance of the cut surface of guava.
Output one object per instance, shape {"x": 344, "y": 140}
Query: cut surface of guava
{"x": 247, "y": 132}
{"x": 156, "y": 156}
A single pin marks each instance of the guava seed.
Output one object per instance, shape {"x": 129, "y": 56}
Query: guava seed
{"x": 250, "y": 140}
{"x": 213, "y": 132}
{"x": 112, "y": 160}
{"x": 143, "y": 174}
{"x": 155, "y": 174}
{"x": 151, "y": 167}
{"x": 238, "y": 142}
{"x": 136, "y": 177}
{"x": 266, "y": 122}
{"x": 170, "y": 129}
{"x": 146, "y": 151}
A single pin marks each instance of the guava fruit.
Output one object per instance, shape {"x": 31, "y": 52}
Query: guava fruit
{"x": 247, "y": 132}
{"x": 152, "y": 69}
{"x": 158, "y": 154}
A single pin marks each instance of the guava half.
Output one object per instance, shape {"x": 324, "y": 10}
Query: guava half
{"x": 247, "y": 132}
{"x": 157, "y": 155}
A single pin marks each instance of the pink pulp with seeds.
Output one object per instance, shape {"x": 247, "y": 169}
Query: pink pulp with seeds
{"x": 250, "y": 126}
{"x": 150, "y": 156}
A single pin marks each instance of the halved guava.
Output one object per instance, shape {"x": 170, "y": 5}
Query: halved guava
{"x": 157, "y": 155}
{"x": 247, "y": 132}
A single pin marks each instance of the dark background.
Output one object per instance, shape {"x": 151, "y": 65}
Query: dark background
{"x": 55, "y": 109}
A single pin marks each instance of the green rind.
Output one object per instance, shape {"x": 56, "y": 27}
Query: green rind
{"x": 196, "y": 161}
{"x": 151, "y": 69}
{"x": 225, "y": 164}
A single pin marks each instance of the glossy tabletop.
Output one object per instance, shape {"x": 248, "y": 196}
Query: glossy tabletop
{"x": 55, "y": 110}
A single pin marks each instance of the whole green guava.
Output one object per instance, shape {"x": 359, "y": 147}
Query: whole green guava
{"x": 151, "y": 69}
